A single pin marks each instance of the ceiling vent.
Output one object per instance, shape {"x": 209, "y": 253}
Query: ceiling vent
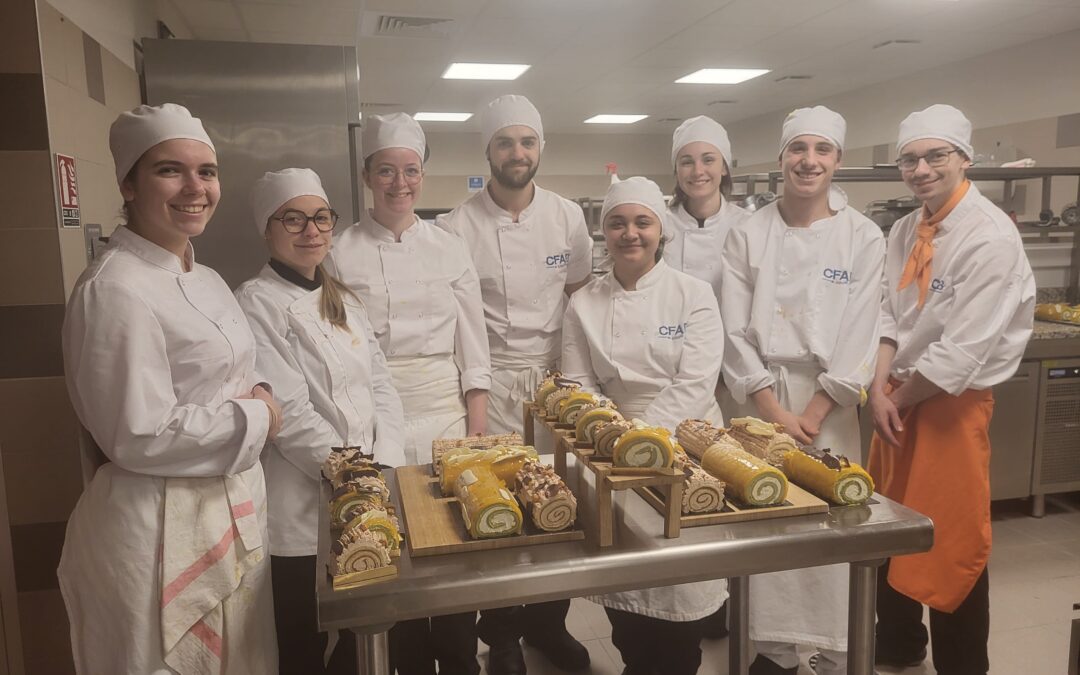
{"x": 668, "y": 120}
{"x": 721, "y": 101}
{"x": 896, "y": 43}
{"x": 376, "y": 107}
{"x": 792, "y": 78}
{"x": 376, "y": 24}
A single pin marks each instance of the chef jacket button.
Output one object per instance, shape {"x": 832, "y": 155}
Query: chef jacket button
{"x": 420, "y": 315}
{"x": 787, "y": 234}
{"x": 642, "y": 332}
{"x": 393, "y": 351}
{"x": 393, "y": 316}
{"x": 618, "y": 334}
{"x": 507, "y": 265}
{"x": 535, "y": 301}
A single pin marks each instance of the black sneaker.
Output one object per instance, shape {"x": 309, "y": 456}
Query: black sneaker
{"x": 763, "y": 665}
{"x": 506, "y": 659}
{"x": 562, "y": 650}
{"x": 887, "y": 658}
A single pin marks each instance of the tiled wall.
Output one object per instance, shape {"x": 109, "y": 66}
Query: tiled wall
{"x": 68, "y": 90}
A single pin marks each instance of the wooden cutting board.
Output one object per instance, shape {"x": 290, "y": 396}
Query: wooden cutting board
{"x": 433, "y": 523}
{"x": 799, "y": 502}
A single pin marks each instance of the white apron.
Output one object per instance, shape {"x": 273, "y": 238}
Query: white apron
{"x": 805, "y": 606}
{"x": 430, "y": 391}
{"x": 514, "y": 379}
{"x": 110, "y": 573}
{"x": 684, "y": 602}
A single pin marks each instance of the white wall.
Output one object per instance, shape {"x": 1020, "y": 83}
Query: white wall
{"x": 118, "y": 24}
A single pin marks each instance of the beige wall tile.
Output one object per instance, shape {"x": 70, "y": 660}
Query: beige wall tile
{"x": 30, "y": 268}
{"x": 59, "y": 100}
{"x": 51, "y": 29}
{"x": 36, "y": 416}
{"x": 92, "y": 121}
{"x": 72, "y": 255}
{"x": 26, "y": 189}
{"x": 19, "y": 48}
{"x": 71, "y": 37}
{"x": 100, "y": 199}
{"x": 121, "y": 83}
{"x": 45, "y": 630}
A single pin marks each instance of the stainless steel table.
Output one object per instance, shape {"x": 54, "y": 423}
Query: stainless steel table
{"x": 641, "y": 558}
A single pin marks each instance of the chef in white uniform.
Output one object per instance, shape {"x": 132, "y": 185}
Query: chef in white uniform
{"x": 650, "y": 338}
{"x": 700, "y": 214}
{"x": 800, "y": 295}
{"x": 422, "y": 296}
{"x": 318, "y": 350}
{"x": 531, "y": 248}
{"x": 160, "y": 367}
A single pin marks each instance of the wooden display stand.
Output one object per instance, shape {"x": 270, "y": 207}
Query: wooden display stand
{"x": 365, "y": 578}
{"x": 799, "y": 502}
{"x": 531, "y": 415}
{"x": 435, "y": 526}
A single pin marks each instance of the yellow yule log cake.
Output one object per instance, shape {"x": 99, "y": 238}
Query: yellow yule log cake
{"x": 504, "y": 460}
{"x": 488, "y": 508}
{"x": 643, "y": 446}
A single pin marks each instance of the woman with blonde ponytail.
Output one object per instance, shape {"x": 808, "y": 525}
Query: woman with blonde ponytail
{"x": 318, "y": 351}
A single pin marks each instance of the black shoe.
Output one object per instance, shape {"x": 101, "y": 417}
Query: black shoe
{"x": 714, "y": 626}
{"x": 506, "y": 659}
{"x": 564, "y": 652}
{"x": 893, "y": 660}
{"x": 763, "y": 665}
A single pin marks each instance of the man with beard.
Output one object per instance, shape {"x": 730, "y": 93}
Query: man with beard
{"x": 532, "y": 249}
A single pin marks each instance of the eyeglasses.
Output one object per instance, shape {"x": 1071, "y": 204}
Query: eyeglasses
{"x": 934, "y": 158}
{"x": 388, "y": 174}
{"x": 296, "y": 222}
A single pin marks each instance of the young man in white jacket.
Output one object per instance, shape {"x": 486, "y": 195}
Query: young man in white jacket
{"x": 532, "y": 249}
{"x": 956, "y": 315}
{"x": 800, "y": 295}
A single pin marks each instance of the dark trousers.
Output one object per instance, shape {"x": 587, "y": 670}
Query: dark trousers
{"x": 651, "y": 646}
{"x": 417, "y": 644}
{"x": 300, "y": 644}
{"x": 506, "y": 625}
{"x": 959, "y": 638}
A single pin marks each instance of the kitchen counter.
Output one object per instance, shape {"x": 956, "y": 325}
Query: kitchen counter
{"x": 1048, "y": 330}
{"x": 1053, "y": 341}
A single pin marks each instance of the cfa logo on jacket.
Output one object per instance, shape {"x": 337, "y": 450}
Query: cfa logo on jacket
{"x": 937, "y": 285}
{"x": 674, "y": 332}
{"x": 557, "y": 261}
{"x": 836, "y": 276}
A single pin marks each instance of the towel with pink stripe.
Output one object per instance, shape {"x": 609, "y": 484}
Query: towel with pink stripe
{"x": 211, "y": 540}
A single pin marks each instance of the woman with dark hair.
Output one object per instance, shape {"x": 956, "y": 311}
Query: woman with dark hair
{"x": 317, "y": 348}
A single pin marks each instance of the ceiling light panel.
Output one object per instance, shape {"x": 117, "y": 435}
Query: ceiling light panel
{"x": 442, "y": 116}
{"x": 614, "y": 119}
{"x": 484, "y": 71}
{"x": 721, "y": 76}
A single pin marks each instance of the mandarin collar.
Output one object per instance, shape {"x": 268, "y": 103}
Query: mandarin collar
{"x": 384, "y": 235}
{"x": 959, "y": 211}
{"x": 151, "y": 252}
{"x": 649, "y": 280}
{"x": 725, "y": 210}
{"x": 501, "y": 213}
{"x": 292, "y": 276}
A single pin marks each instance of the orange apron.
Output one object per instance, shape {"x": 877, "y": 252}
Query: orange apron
{"x": 941, "y": 469}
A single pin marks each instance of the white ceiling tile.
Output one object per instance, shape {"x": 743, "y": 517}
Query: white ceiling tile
{"x": 779, "y": 14}
{"x": 210, "y": 14}
{"x": 222, "y": 34}
{"x": 273, "y": 18}
{"x": 1046, "y": 21}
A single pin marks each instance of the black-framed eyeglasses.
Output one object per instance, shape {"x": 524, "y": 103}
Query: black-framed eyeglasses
{"x": 935, "y": 158}
{"x": 296, "y": 222}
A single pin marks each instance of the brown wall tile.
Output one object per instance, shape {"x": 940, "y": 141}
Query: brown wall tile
{"x": 42, "y": 487}
{"x": 36, "y": 417}
{"x": 45, "y": 630}
{"x": 19, "y": 48}
{"x": 22, "y": 117}
{"x": 30, "y": 269}
{"x": 32, "y": 348}
{"x": 36, "y": 549}
{"x": 26, "y": 189}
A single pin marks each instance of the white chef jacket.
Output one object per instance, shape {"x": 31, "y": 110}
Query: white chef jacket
{"x": 156, "y": 359}
{"x": 524, "y": 266}
{"x": 802, "y": 295}
{"x": 421, "y": 294}
{"x": 663, "y": 341}
{"x": 335, "y": 391}
{"x": 978, "y": 316}
{"x": 697, "y": 249}
{"x": 655, "y": 351}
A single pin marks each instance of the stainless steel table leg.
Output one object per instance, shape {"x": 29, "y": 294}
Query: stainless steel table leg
{"x": 739, "y": 637}
{"x": 1038, "y": 506}
{"x": 862, "y": 606}
{"x": 372, "y": 653}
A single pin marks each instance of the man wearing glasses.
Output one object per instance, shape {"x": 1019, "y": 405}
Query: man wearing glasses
{"x": 957, "y": 311}
{"x": 531, "y": 248}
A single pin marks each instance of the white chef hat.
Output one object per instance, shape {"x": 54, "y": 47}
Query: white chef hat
{"x": 635, "y": 190}
{"x": 507, "y": 111}
{"x": 136, "y": 131}
{"x": 938, "y": 121}
{"x": 396, "y": 130}
{"x": 816, "y": 121}
{"x": 277, "y": 187}
{"x": 701, "y": 128}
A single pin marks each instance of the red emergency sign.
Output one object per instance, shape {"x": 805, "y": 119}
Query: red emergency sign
{"x": 69, "y": 190}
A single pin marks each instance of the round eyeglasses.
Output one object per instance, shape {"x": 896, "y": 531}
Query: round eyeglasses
{"x": 934, "y": 158}
{"x": 388, "y": 174}
{"x": 296, "y": 222}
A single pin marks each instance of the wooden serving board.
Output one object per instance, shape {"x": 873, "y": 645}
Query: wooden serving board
{"x": 799, "y": 502}
{"x": 434, "y": 523}
{"x": 366, "y": 578}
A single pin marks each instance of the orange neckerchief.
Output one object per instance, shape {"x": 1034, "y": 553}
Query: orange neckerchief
{"x": 918, "y": 263}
